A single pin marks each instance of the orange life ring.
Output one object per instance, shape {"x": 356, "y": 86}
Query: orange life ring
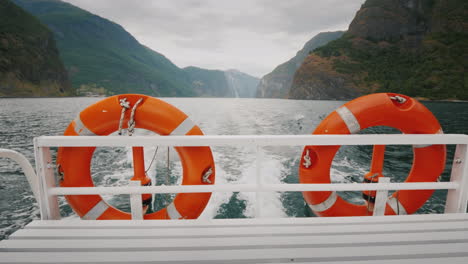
{"x": 382, "y": 109}
{"x": 102, "y": 118}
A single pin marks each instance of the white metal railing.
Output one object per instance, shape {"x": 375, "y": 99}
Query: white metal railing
{"x": 457, "y": 197}
{"x": 25, "y": 166}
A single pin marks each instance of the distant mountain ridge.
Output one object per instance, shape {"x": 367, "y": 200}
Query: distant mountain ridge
{"x": 277, "y": 83}
{"x": 216, "y": 83}
{"x": 241, "y": 84}
{"x": 29, "y": 61}
{"x": 101, "y": 56}
{"x": 414, "y": 47}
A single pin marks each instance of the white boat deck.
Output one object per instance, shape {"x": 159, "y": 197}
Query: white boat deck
{"x": 377, "y": 239}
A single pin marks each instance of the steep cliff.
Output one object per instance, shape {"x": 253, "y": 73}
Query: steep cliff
{"x": 99, "y": 53}
{"x": 216, "y": 83}
{"x": 29, "y": 61}
{"x": 277, "y": 83}
{"x": 327, "y": 83}
{"x": 415, "y": 47}
{"x": 207, "y": 83}
{"x": 241, "y": 84}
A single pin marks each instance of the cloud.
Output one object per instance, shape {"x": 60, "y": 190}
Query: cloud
{"x": 253, "y": 36}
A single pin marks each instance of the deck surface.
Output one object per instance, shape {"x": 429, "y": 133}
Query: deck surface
{"x": 389, "y": 239}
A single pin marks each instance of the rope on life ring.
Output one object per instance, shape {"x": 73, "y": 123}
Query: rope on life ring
{"x": 108, "y": 116}
{"x": 382, "y": 109}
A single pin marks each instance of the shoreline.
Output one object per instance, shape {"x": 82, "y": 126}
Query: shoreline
{"x": 421, "y": 99}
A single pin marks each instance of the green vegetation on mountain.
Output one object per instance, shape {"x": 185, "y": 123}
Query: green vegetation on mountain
{"x": 100, "y": 53}
{"x": 414, "y": 47}
{"x": 207, "y": 83}
{"x": 102, "y": 58}
{"x": 29, "y": 61}
{"x": 436, "y": 70}
{"x": 277, "y": 83}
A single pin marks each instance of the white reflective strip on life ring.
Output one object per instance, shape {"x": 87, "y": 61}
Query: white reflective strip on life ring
{"x": 325, "y": 205}
{"x": 183, "y": 127}
{"x": 349, "y": 119}
{"x": 96, "y": 211}
{"x": 172, "y": 211}
{"x": 396, "y": 206}
{"x": 81, "y": 129}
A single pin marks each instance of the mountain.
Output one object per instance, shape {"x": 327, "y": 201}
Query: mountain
{"x": 101, "y": 54}
{"x": 277, "y": 83}
{"x": 207, "y": 83}
{"x": 216, "y": 83}
{"x": 102, "y": 58}
{"x": 29, "y": 61}
{"x": 414, "y": 47}
{"x": 241, "y": 84}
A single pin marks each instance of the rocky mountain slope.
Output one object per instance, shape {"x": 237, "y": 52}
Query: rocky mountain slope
{"x": 101, "y": 57}
{"x": 29, "y": 61}
{"x": 277, "y": 83}
{"x": 415, "y": 47}
{"x": 208, "y": 83}
{"x": 216, "y": 83}
{"x": 99, "y": 53}
{"x": 241, "y": 84}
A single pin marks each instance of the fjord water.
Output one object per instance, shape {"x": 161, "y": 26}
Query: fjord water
{"x": 23, "y": 119}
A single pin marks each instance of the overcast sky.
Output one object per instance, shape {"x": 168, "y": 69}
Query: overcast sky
{"x": 253, "y": 36}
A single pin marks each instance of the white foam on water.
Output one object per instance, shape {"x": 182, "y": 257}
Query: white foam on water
{"x": 270, "y": 202}
{"x": 338, "y": 173}
{"x": 217, "y": 198}
{"x": 298, "y": 117}
{"x": 230, "y": 167}
{"x": 341, "y": 172}
{"x": 244, "y": 172}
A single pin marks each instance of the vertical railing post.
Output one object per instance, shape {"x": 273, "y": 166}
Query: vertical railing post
{"x": 457, "y": 199}
{"x": 48, "y": 204}
{"x": 381, "y": 198}
{"x": 259, "y": 181}
{"x": 136, "y": 203}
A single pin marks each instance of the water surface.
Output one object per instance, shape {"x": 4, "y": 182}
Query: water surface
{"x": 23, "y": 119}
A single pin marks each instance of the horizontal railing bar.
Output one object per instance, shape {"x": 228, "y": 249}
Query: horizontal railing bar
{"x": 253, "y": 188}
{"x": 249, "y": 140}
